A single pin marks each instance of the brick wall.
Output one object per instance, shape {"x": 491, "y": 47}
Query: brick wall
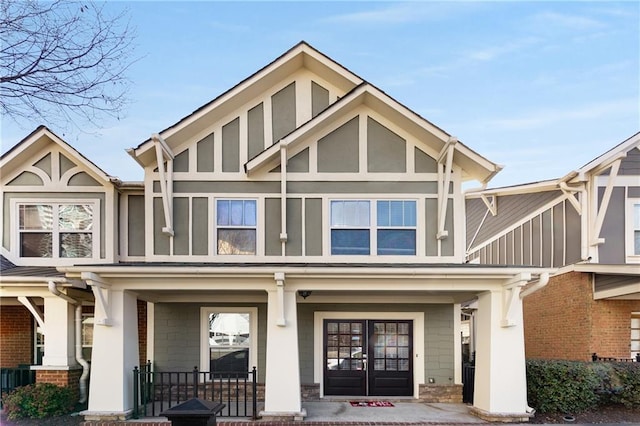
{"x": 142, "y": 331}
{"x": 562, "y": 321}
{"x": 68, "y": 378}
{"x": 16, "y": 334}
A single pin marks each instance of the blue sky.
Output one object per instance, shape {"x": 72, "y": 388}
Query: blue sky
{"x": 539, "y": 87}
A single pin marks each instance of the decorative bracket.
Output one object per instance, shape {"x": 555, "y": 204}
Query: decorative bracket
{"x": 166, "y": 180}
{"x": 101, "y": 291}
{"x": 511, "y": 297}
{"x": 444, "y": 161}
{"x": 34, "y": 309}
{"x": 604, "y": 205}
{"x": 492, "y": 205}
{"x": 279, "y": 277}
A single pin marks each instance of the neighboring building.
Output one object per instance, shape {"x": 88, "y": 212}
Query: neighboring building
{"x": 303, "y": 220}
{"x": 588, "y": 225}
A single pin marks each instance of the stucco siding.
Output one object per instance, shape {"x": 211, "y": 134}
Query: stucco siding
{"x": 205, "y": 154}
{"x": 313, "y": 227}
{"x": 338, "y": 151}
{"x": 319, "y": 98}
{"x": 294, "y": 227}
{"x": 272, "y": 226}
{"x": 283, "y": 112}
{"x": 255, "y": 130}
{"x": 160, "y": 240}
{"x": 299, "y": 163}
{"x": 220, "y": 187}
{"x": 231, "y": 146}
{"x": 181, "y": 162}
{"x": 423, "y": 163}
{"x": 342, "y": 187}
{"x": 181, "y": 217}
{"x": 200, "y": 217}
{"x": 82, "y": 179}
{"x": 386, "y": 151}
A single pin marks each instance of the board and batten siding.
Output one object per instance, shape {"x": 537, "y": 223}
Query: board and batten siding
{"x": 551, "y": 238}
{"x": 612, "y": 251}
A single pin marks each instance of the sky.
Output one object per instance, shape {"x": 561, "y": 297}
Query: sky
{"x": 541, "y": 87}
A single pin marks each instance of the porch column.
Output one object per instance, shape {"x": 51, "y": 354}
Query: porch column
{"x": 500, "y": 392}
{"x": 282, "y": 376}
{"x": 59, "y": 335}
{"x": 114, "y": 355}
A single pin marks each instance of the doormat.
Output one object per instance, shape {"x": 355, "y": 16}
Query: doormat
{"x": 371, "y": 404}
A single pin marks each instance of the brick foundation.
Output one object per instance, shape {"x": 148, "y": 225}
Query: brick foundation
{"x": 67, "y": 378}
{"x": 310, "y": 392}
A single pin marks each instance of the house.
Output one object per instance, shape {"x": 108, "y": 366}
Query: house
{"x": 304, "y": 221}
{"x": 586, "y": 224}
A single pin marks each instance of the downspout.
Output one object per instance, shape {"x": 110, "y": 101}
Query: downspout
{"x": 283, "y": 197}
{"x": 543, "y": 280}
{"x": 82, "y": 384}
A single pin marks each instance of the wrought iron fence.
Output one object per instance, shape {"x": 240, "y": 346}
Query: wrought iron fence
{"x": 155, "y": 392}
{"x": 468, "y": 381}
{"x": 11, "y": 378}
{"x": 595, "y": 357}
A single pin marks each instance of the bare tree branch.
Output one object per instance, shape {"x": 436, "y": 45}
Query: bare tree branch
{"x": 63, "y": 60}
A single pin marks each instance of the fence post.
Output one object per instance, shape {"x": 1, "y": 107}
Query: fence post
{"x": 594, "y": 357}
{"x": 136, "y": 389}
{"x": 638, "y": 357}
{"x": 195, "y": 380}
{"x": 254, "y": 408}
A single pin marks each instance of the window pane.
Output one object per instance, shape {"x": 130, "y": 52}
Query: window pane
{"x": 36, "y": 244}
{"x": 363, "y": 213}
{"x": 76, "y": 245}
{"x": 36, "y": 217}
{"x": 383, "y": 213}
{"x": 237, "y": 212}
{"x": 396, "y": 242}
{"x": 636, "y": 242}
{"x": 350, "y": 213}
{"x": 229, "y": 341}
{"x": 396, "y": 213}
{"x": 409, "y": 213}
{"x": 250, "y": 213}
{"x": 223, "y": 212}
{"x": 350, "y": 241}
{"x": 636, "y": 216}
{"x": 75, "y": 217}
{"x": 236, "y": 241}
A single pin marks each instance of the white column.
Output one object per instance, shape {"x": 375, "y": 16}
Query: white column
{"x": 457, "y": 344}
{"x": 282, "y": 375}
{"x": 114, "y": 355}
{"x": 500, "y": 377}
{"x": 59, "y": 336}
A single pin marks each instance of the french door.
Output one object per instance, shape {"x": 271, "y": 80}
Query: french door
{"x": 368, "y": 357}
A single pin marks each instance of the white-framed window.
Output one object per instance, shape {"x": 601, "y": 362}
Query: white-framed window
{"x": 383, "y": 227}
{"x": 229, "y": 337}
{"x": 57, "y": 229}
{"x": 635, "y": 334}
{"x": 236, "y": 226}
{"x": 633, "y": 230}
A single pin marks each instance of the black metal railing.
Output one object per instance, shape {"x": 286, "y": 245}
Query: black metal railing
{"x": 11, "y": 378}
{"x": 468, "y": 381}
{"x": 595, "y": 357}
{"x": 155, "y": 392}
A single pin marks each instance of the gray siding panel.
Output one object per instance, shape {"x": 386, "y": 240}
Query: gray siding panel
{"x": 26, "y": 179}
{"x": 44, "y": 164}
{"x": 573, "y": 236}
{"x": 386, "y": 151}
{"x": 610, "y": 282}
{"x": 255, "y": 133}
{"x": 283, "y": 111}
{"x": 136, "y": 225}
{"x": 424, "y": 163}
{"x": 231, "y": 146}
{"x": 181, "y": 216}
{"x": 272, "y": 227}
{"x": 526, "y": 244}
{"x": 338, "y": 151}
{"x": 181, "y": 162}
{"x": 613, "y": 249}
{"x": 447, "y": 243}
{"x": 361, "y": 187}
{"x": 299, "y": 163}
{"x": 431, "y": 226}
{"x": 200, "y": 217}
{"x": 630, "y": 165}
{"x": 160, "y": 240}
{"x": 83, "y": 179}
{"x": 517, "y": 246}
{"x": 222, "y": 187}
{"x": 547, "y": 238}
{"x": 634, "y": 191}
{"x": 511, "y": 209}
{"x": 558, "y": 235}
{"x": 509, "y": 248}
{"x": 205, "y": 154}
{"x": 535, "y": 241}
{"x": 313, "y": 227}
{"x": 294, "y": 227}
{"x": 319, "y": 99}
{"x": 65, "y": 165}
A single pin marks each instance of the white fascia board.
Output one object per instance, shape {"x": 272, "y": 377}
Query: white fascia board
{"x": 34, "y": 281}
{"x": 623, "y": 269}
{"x": 526, "y": 188}
{"x": 610, "y": 156}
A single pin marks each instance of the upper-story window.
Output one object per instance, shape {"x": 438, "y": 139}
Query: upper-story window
{"x": 236, "y": 226}
{"x": 636, "y": 229}
{"x": 56, "y": 230}
{"x": 633, "y": 230}
{"x": 394, "y": 232}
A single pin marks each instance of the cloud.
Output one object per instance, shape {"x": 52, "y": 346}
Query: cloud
{"x": 555, "y": 20}
{"x": 493, "y": 52}
{"x": 399, "y": 13}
